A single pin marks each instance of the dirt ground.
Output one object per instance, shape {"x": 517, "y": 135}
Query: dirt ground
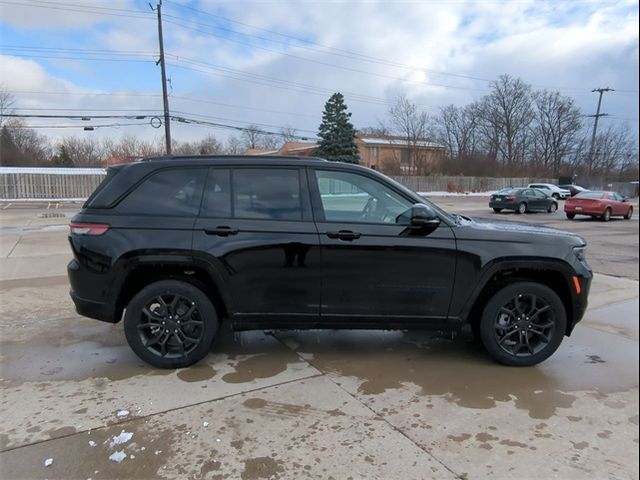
{"x": 330, "y": 404}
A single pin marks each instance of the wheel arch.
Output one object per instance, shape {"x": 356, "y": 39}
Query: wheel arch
{"x": 146, "y": 271}
{"x": 552, "y": 273}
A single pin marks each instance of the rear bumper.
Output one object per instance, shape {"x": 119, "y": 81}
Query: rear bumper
{"x": 501, "y": 204}
{"x": 583, "y": 210}
{"x": 88, "y": 307}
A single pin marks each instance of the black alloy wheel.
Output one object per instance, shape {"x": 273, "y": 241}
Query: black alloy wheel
{"x": 170, "y": 324}
{"x": 523, "y": 324}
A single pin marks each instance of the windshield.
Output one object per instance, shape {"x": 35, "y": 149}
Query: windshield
{"x": 590, "y": 195}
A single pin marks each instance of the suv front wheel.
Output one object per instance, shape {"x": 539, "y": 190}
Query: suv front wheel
{"x": 523, "y": 324}
{"x": 170, "y": 324}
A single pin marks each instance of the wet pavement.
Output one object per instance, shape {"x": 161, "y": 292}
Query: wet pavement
{"x": 327, "y": 404}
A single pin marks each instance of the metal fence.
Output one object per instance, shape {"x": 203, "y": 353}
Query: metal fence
{"x": 465, "y": 184}
{"x": 78, "y": 183}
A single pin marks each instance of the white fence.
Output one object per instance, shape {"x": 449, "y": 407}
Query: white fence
{"x": 18, "y": 183}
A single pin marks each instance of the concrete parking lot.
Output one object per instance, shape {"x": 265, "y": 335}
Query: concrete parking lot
{"x": 331, "y": 404}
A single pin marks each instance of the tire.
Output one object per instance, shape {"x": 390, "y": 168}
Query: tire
{"x": 544, "y": 331}
{"x": 629, "y": 214}
{"x": 165, "y": 301}
{"x": 497, "y": 210}
{"x": 606, "y": 216}
{"x": 553, "y": 208}
{"x": 556, "y": 196}
{"x": 571, "y": 216}
{"x": 522, "y": 208}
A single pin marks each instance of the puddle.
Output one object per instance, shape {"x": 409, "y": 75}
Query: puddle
{"x": 461, "y": 372}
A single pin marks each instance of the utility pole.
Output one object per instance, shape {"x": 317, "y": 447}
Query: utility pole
{"x": 165, "y": 98}
{"x": 595, "y": 125}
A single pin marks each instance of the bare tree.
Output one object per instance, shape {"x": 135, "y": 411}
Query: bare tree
{"x": 84, "y": 152}
{"x": 207, "y": 146}
{"x": 555, "y": 131}
{"x": 288, "y": 134}
{"x": 6, "y": 103}
{"x": 23, "y": 146}
{"x": 129, "y": 148}
{"x": 507, "y": 114}
{"x": 413, "y": 126}
{"x": 234, "y": 146}
{"x": 251, "y": 137}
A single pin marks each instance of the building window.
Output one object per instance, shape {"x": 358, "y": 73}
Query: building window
{"x": 374, "y": 152}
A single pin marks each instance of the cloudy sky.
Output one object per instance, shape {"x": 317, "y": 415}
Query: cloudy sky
{"x": 275, "y": 62}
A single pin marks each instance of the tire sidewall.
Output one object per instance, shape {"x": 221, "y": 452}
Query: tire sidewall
{"x": 606, "y": 216}
{"x": 522, "y": 208}
{"x": 204, "y": 305}
{"x": 553, "y": 208}
{"x": 487, "y": 335}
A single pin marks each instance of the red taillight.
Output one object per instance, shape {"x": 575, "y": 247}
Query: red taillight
{"x": 510, "y": 197}
{"x": 88, "y": 228}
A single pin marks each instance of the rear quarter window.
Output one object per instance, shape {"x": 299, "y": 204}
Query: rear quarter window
{"x": 175, "y": 192}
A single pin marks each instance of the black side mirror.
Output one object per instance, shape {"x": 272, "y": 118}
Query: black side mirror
{"x": 423, "y": 217}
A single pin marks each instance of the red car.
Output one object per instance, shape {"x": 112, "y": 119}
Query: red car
{"x": 597, "y": 204}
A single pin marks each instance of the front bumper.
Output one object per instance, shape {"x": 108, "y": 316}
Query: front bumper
{"x": 580, "y": 301}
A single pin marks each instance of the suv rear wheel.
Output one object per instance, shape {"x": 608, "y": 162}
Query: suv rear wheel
{"x": 523, "y": 324}
{"x": 170, "y": 324}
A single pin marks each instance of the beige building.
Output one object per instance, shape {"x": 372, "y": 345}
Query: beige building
{"x": 389, "y": 154}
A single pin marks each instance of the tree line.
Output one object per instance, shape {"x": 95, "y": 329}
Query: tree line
{"x": 514, "y": 130}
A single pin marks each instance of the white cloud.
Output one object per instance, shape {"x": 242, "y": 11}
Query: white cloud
{"x": 577, "y": 46}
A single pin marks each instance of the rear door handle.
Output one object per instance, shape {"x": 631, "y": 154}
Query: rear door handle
{"x": 344, "y": 235}
{"x": 222, "y": 231}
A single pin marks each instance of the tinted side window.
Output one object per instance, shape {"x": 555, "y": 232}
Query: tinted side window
{"x": 349, "y": 197}
{"x": 166, "y": 193}
{"x": 269, "y": 193}
{"x": 217, "y": 196}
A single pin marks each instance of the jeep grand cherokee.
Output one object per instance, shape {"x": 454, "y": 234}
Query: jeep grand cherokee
{"x": 180, "y": 244}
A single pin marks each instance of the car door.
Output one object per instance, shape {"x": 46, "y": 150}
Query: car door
{"x": 374, "y": 269}
{"x": 256, "y": 234}
{"x": 540, "y": 199}
{"x": 531, "y": 200}
{"x": 617, "y": 205}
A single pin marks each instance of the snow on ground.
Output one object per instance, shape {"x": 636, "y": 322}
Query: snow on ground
{"x": 122, "y": 437}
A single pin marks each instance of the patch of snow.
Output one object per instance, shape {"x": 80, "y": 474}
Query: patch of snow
{"x": 48, "y": 462}
{"x": 92, "y": 443}
{"x": 121, "y": 438}
{"x": 122, "y": 413}
{"x": 157, "y": 452}
{"x": 218, "y": 440}
{"x": 117, "y": 456}
{"x": 205, "y": 424}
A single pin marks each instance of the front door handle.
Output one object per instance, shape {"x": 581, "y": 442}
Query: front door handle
{"x": 221, "y": 231}
{"x": 344, "y": 235}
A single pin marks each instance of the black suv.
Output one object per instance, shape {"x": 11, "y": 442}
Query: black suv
{"x": 180, "y": 243}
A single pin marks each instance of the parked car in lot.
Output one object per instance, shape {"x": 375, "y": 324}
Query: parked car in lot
{"x": 573, "y": 189}
{"x": 552, "y": 190}
{"x": 598, "y": 204}
{"x": 181, "y": 244}
{"x": 522, "y": 200}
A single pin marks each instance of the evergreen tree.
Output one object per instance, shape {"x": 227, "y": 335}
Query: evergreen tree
{"x": 336, "y": 132}
{"x": 62, "y": 158}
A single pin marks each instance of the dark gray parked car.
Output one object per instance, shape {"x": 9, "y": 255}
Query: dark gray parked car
{"x": 522, "y": 200}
